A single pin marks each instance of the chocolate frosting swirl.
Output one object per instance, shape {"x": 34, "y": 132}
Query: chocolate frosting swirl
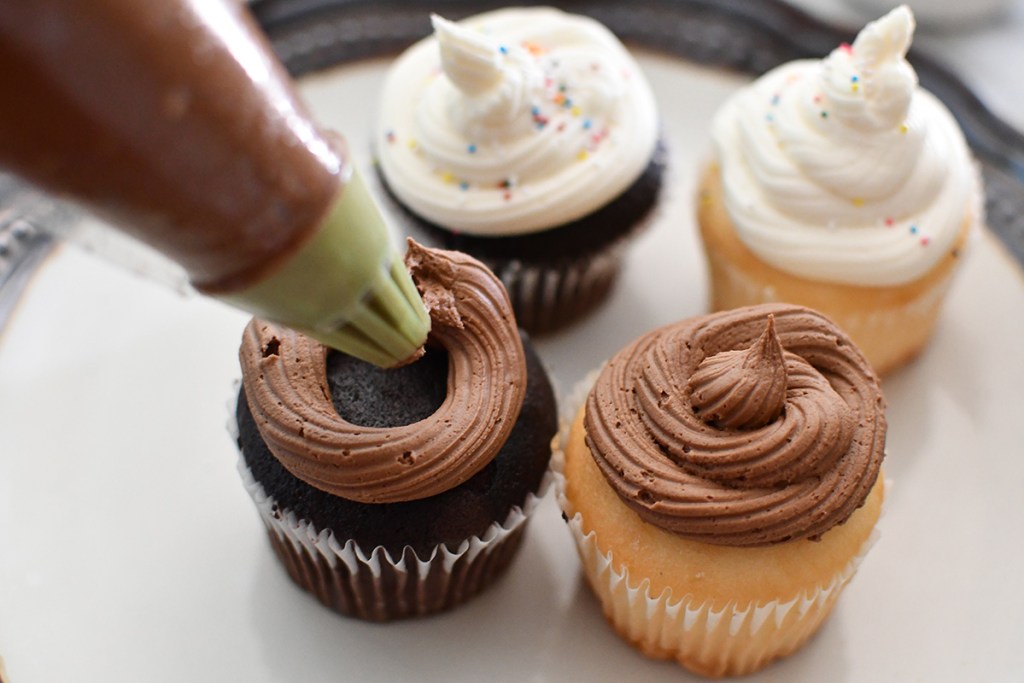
{"x": 284, "y": 374}
{"x": 742, "y": 389}
{"x": 727, "y": 464}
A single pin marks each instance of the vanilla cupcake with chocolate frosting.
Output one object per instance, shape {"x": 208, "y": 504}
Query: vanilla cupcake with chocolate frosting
{"x": 529, "y": 138}
{"x": 398, "y": 493}
{"x": 842, "y": 185}
{"x": 722, "y": 482}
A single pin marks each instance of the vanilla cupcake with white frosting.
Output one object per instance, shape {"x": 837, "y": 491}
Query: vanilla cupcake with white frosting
{"x": 529, "y": 138}
{"x": 842, "y": 185}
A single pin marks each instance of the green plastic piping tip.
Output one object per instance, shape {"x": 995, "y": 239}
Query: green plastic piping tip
{"x": 347, "y": 288}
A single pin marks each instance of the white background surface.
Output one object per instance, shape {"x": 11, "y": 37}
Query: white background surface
{"x": 130, "y": 552}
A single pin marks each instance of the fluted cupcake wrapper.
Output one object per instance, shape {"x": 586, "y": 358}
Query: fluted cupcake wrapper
{"x": 546, "y": 297}
{"x": 711, "y": 640}
{"x": 372, "y": 584}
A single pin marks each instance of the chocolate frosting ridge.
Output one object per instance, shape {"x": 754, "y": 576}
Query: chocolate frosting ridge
{"x": 742, "y": 389}
{"x": 284, "y": 374}
{"x": 803, "y": 472}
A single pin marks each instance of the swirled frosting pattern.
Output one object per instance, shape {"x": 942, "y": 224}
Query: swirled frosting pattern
{"x": 705, "y": 476}
{"x": 284, "y": 374}
{"x": 844, "y": 170}
{"x": 514, "y": 121}
{"x": 742, "y": 389}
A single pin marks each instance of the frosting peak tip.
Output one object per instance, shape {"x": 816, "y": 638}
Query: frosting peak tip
{"x": 742, "y": 389}
{"x": 885, "y": 38}
{"x": 470, "y": 60}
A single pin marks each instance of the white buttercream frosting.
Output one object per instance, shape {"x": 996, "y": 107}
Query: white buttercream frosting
{"x": 844, "y": 169}
{"x": 514, "y": 121}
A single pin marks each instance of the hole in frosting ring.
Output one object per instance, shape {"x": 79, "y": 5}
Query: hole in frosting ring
{"x": 369, "y": 396}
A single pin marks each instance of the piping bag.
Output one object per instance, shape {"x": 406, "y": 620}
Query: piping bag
{"x": 174, "y": 121}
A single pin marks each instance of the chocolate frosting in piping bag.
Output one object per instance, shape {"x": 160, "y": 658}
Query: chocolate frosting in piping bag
{"x": 284, "y": 374}
{"x": 748, "y": 427}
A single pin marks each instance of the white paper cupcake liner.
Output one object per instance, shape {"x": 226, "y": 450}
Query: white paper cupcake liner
{"x": 374, "y": 585}
{"x": 733, "y": 639}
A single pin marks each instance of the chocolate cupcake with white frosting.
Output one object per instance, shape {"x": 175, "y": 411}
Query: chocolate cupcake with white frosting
{"x": 528, "y": 138}
{"x": 397, "y": 493}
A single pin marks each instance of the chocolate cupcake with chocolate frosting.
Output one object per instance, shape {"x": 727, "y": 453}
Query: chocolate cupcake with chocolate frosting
{"x": 398, "y": 493}
{"x": 723, "y": 481}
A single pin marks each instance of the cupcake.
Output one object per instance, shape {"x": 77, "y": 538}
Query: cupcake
{"x": 398, "y": 493}
{"x": 842, "y": 186}
{"x": 722, "y": 483}
{"x": 527, "y": 138}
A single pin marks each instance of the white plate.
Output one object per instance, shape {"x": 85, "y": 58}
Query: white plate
{"x": 130, "y": 552}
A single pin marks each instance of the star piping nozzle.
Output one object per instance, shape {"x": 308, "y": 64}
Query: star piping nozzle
{"x": 348, "y": 288}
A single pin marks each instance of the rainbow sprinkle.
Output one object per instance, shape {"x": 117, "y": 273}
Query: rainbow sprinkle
{"x": 471, "y": 148}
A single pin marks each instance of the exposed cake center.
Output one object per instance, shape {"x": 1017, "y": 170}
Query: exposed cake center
{"x": 368, "y": 396}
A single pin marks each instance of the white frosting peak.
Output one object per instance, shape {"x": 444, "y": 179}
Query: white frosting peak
{"x": 886, "y": 80}
{"x": 843, "y": 169}
{"x": 514, "y": 121}
{"x": 472, "y": 61}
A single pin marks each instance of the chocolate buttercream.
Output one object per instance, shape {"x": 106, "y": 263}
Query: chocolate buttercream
{"x": 284, "y": 374}
{"x": 732, "y": 480}
{"x": 742, "y": 389}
